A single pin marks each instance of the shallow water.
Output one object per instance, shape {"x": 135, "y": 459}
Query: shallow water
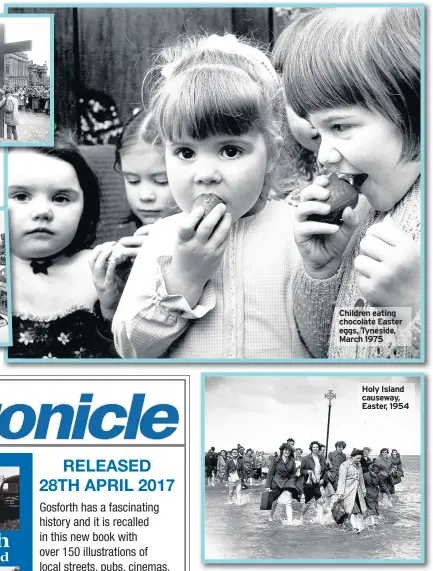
{"x": 244, "y": 532}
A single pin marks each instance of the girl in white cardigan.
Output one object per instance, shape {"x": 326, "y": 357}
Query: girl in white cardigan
{"x": 216, "y": 285}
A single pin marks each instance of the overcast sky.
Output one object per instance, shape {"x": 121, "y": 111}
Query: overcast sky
{"x": 262, "y": 412}
{"x": 30, "y": 28}
{"x": 7, "y": 471}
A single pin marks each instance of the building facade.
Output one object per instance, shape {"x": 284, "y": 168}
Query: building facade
{"x": 22, "y": 72}
{"x": 38, "y": 74}
{"x": 16, "y": 69}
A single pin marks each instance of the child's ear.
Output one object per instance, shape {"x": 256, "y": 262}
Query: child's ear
{"x": 274, "y": 153}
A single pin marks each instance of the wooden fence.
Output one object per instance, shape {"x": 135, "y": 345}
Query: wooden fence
{"x": 108, "y": 49}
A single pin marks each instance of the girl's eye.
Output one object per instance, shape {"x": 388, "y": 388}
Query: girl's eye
{"x": 338, "y": 128}
{"x": 60, "y": 199}
{"x": 21, "y": 197}
{"x": 161, "y": 182}
{"x": 133, "y": 180}
{"x": 184, "y": 153}
{"x": 231, "y": 152}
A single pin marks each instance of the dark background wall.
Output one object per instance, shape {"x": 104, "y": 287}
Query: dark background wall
{"x": 109, "y": 49}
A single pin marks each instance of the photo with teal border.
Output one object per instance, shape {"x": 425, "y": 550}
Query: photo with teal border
{"x": 211, "y": 196}
{"x": 5, "y": 286}
{"x": 313, "y": 468}
{"x": 16, "y": 511}
{"x": 27, "y": 80}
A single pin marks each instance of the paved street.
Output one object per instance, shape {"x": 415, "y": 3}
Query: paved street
{"x": 33, "y": 127}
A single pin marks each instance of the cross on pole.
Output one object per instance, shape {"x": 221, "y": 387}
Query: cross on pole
{"x": 330, "y": 395}
{"x": 9, "y": 48}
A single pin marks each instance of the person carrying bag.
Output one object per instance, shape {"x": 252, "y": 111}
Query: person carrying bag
{"x": 11, "y": 115}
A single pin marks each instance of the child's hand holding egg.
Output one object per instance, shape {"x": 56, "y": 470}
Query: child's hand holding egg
{"x": 342, "y": 195}
{"x": 324, "y": 224}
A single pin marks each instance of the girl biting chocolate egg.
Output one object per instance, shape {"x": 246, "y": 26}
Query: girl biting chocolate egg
{"x": 362, "y": 95}
{"x": 216, "y": 280}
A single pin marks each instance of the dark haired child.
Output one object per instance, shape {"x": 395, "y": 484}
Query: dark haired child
{"x": 53, "y": 201}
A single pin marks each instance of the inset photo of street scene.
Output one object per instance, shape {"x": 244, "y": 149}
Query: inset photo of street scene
{"x": 25, "y": 80}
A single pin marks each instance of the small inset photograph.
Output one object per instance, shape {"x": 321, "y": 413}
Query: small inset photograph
{"x": 10, "y": 498}
{"x": 313, "y": 469}
{"x": 26, "y": 48}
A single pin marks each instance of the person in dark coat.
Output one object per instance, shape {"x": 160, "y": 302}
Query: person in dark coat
{"x": 384, "y": 462}
{"x": 365, "y": 459}
{"x": 234, "y": 474}
{"x": 335, "y": 459}
{"x": 283, "y": 482}
{"x": 313, "y": 469}
{"x": 396, "y": 460}
{"x": 371, "y": 481}
{"x": 249, "y": 463}
{"x": 210, "y": 462}
{"x": 396, "y": 473}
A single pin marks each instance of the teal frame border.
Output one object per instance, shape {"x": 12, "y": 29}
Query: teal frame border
{"x": 5, "y": 212}
{"x": 421, "y": 7}
{"x": 50, "y": 142}
{"x": 211, "y": 5}
{"x": 8, "y": 277}
{"x": 420, "y": 561}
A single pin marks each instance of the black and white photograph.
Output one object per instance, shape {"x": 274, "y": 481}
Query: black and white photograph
{"x": 25, "y": 70}
{"x": 313, "y": 468}
{"x": 4, "y": 285}
{"x": 226, "y": 184}
{"x": 9, "y": 498}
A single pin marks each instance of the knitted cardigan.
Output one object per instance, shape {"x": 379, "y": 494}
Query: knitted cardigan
{"x": 315, "y": 300}
{"x": 245, "y": 310}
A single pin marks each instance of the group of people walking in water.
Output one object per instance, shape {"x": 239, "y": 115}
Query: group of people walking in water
{"x": 347, "y": 486}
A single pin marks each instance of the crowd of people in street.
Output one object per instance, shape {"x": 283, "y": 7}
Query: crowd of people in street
{"x": 17, "y": 99}
{"x": 34, "y": 98}
{"x": 346, "y": 488}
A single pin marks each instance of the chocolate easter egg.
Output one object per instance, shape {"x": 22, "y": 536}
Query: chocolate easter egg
{"x": 208, "y": 201}
{"x": 342, "y": 195}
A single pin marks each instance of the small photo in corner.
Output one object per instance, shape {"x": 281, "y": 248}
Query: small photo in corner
{"x": 26, "y": 80}
{"x": 313, "y": 469}
{"x": 9, "y": 498}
